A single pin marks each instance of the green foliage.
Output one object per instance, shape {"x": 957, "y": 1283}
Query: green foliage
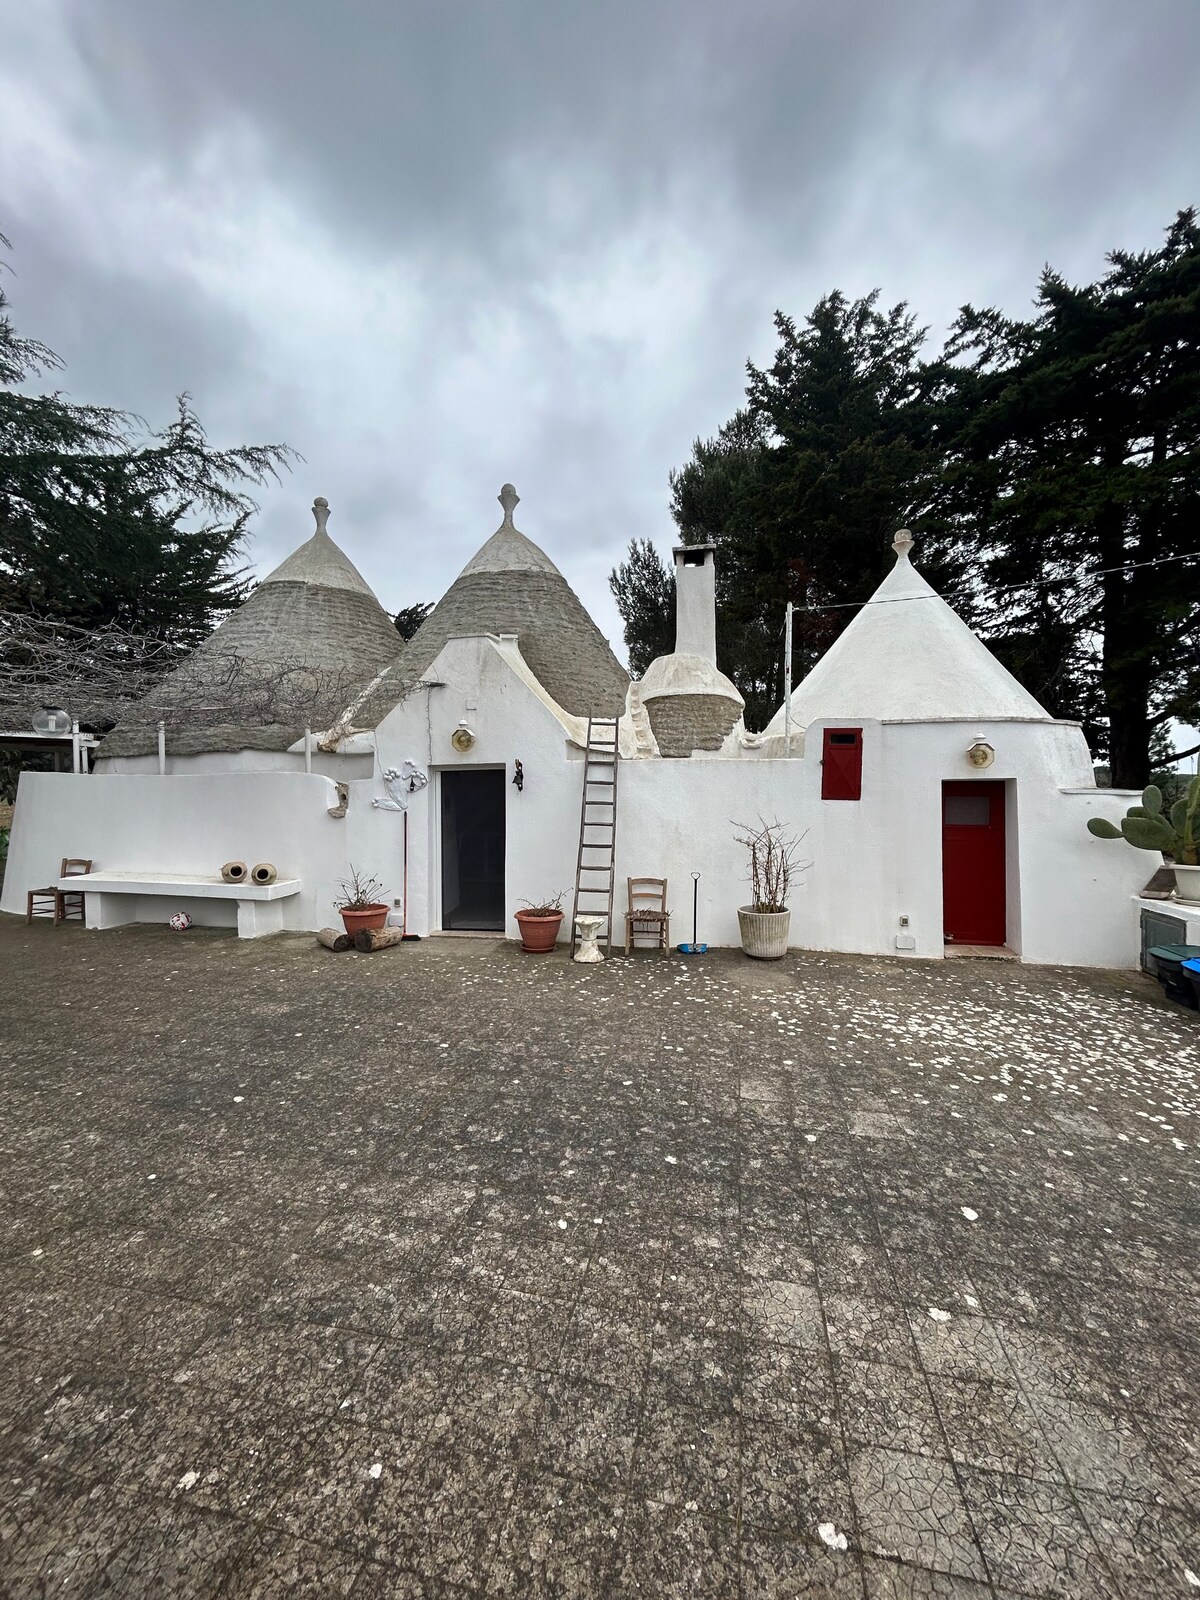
{"x": 411, "y": 617}
{"x": 1103, "y": 828}
{"x": 103, "y": 521}
{"x": 1072, "y": 453}
{"x": 1146, "y": 828}
{"x": 645, "y": 594}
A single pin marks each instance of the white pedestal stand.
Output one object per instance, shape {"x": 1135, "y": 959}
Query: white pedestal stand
{"x": 589, "y": 928}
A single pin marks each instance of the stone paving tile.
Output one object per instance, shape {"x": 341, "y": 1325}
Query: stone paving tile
{"x": 788, "y": 1388}
{"x": 785, "y": 1313}
{"x": 311, "y": 1367}
{"x": 793, "y": 1481}
{"x": 887, "y": 1406}
{"x": 586, "y": 1431}
{"x": 560, "y": 1539}
{"x": 438, "y": 1317}
{"x": 688, "y": 1456}
{"x": 910, "y": 1507}
{"x": 275, "y": 1566}
{"x": 1149, "y": 1549}
{"x": 894, "y": 1580}
{"x": 176, "y": 1551}
{"x": 797, "y": 1569}
{"x": 962, "y": 1345}
{"x": 868, "y": 1330}
{"x": 694, "y": 1364}
{"x": 992, "y": 1424}
{"x": 610, "y": 1347}
{"x": 56, "y": 1536}
{"x": 1034, "y": 1536}
{"x": 1101, "y": 1449}
{"x": 670, "y": 1551}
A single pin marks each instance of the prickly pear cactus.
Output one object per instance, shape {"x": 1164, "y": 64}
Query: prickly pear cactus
{"x": 1147, "y": 828}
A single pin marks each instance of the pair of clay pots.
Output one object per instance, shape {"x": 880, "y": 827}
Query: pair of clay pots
{"x": 261, "y": 873}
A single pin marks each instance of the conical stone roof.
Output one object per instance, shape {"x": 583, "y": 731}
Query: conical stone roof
{"x": 310, "y": 636}
{"x": 907, "y": 657}
{"x": 510, "y": 586}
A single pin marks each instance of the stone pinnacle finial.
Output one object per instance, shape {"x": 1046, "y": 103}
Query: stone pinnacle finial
{"x": 902, "y": 543}
{"x": 510, "y": 500}
{"x": 321, "y": 512}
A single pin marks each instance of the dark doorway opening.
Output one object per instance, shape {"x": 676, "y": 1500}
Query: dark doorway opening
{"x": 473, "y": 850}
{"x": 973, "y": 863}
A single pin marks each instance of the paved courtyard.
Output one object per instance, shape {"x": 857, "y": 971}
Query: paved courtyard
{"x": 448, "y": 1271}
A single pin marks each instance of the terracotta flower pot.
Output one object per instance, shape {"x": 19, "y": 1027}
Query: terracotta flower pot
{"x": 356, "y": 918}
{"x": 538, "y": 934}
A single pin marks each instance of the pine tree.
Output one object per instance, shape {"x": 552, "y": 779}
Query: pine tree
{"x": 409, "y": 618}
{"x": 1072, "y": 452}
{"x": 104, "y": 522}
{"x": 645, "y": 594}
{"x": 802, "y": 490}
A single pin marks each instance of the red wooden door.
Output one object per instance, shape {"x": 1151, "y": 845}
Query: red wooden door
{"x": 973, "y": 891}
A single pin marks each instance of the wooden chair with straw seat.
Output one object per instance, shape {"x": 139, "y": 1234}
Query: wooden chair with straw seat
{"x": 647, "y": 916}
{"x": 63, "y": 905}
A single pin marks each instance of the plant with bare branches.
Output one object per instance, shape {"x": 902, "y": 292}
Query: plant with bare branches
{"x": 112, "y": 675}
{"x": 774, "y": 862}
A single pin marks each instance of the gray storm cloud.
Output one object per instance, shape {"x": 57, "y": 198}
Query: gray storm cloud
{"x": 437, "y": 246}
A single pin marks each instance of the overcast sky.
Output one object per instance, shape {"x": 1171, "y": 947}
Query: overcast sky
{"x": 436, "y": 246}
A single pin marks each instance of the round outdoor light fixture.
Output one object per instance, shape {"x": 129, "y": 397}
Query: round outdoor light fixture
{"x": 462, "y": 739}
{"x": 51, "y": 719}
{"x": 981, "y": 754}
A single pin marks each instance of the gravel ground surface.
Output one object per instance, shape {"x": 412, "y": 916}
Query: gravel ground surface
{"x": 448, "y": 1271}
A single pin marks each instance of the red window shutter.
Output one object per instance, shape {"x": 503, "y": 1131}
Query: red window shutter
{"x": 841, "y": 764}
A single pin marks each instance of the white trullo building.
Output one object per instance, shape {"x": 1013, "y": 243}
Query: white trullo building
{"x": 940, "y": 804}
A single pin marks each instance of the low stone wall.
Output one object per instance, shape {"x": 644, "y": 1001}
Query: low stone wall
{"x": 686, "y": 722}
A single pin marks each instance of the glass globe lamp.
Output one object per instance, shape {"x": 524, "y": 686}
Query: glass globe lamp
{"x": 51, "y": 719}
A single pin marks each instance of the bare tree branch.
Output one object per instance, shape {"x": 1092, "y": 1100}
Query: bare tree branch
{"x": 109, "y": 675}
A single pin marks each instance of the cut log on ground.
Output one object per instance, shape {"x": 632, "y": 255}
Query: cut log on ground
{"x": 377, "y": 938}
{"x": 332, "y": 939}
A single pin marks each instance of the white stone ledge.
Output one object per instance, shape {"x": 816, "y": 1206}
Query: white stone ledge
{"x": 200, "y": 887}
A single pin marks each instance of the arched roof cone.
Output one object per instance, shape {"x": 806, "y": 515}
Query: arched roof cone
{"x": 907, "y": 657}
{"x": 510, "y": 586}
{"x": 314, "y": 611}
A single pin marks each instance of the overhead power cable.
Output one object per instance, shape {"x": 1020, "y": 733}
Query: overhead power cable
{"x": 1002, "y": 588}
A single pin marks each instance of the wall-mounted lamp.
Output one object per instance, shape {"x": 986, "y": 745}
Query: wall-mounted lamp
{"x": 51, "y": 720}
{"x": 981, "y": 754}
{"x": 462, "y": 739}
{"x": 518, "y": 776}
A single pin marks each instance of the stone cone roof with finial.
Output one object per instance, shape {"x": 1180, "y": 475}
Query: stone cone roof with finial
{"x": 309, "y": 637}
{"x": 510, "y": 586}
{"x": 907, "y": 657}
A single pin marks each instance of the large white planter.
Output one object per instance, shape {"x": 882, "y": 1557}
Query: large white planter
{"x": 1187, "y": 882}
{"x": 764, "y": 933}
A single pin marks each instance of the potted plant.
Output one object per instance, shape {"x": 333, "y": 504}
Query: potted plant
{"x": 1176, "y": 833}
{"x": 766, "y": 921}
{"x": 539, "y": 924}
{"x": 361, "y": 902}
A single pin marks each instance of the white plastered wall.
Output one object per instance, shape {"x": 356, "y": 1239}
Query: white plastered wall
{"x": 188, "y": 825}
{"x": 874, "y": 860}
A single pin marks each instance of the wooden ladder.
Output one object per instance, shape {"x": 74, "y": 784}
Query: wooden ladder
{"x": 594, "y": 877}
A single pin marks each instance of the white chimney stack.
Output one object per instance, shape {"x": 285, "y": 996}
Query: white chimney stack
{"x": 696, "y": 601}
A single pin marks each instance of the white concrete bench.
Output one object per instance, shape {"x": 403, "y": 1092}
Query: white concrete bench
{"x": 107, "y": 903}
